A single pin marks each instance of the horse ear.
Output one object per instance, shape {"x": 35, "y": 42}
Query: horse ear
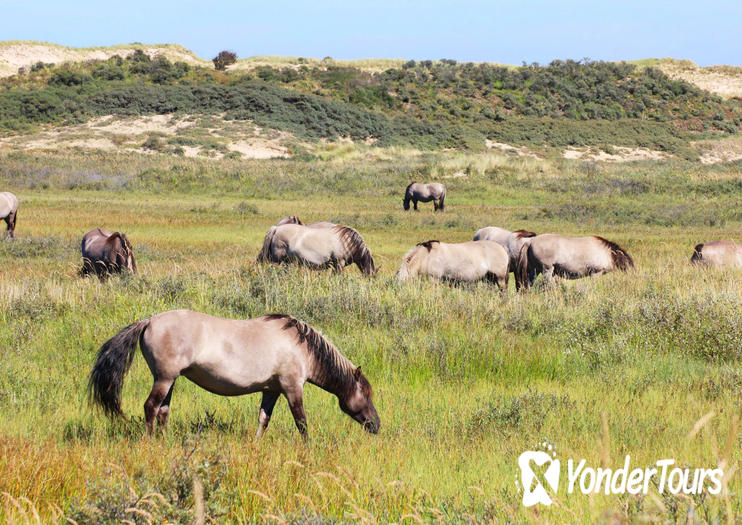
{"x": 357, "y": 373}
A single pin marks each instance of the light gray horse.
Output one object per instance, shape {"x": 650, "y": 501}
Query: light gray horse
{"x": 460, "y": 262}
{"x": 321, "y": 247}
{"x": 274, "y": 354}
{"x": 570, "y": 257}
{"x": 104, "y": 253}
{"x": 417, "y": 192}
{"x": 511, "y": 241}
{"x": 718, "y": 254}
{"x": 9, "y": 211}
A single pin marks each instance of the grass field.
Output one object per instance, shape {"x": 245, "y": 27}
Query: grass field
{"x": 645, "y": 363}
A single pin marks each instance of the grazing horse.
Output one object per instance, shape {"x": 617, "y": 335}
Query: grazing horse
{"x": 434, "y": 191}
{"x": 570, "y": 257}
{"x": 320, "y": 247}
{"x": 9, "y": 211}
{"x": 511, "y": 241}
{"x": 104, "y": 253}
{"x": 274, "y": 354}
{"x": 719, "y": 254}
{"x": 293, "y": 219}
{"x": 465, "y": 261}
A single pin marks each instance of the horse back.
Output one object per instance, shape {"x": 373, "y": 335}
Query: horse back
{"x": 224, "y": 356}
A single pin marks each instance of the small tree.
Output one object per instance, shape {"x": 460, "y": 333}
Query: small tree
{"x": 224, "y": 59}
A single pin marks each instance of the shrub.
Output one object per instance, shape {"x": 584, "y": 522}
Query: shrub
{"x": 224, "y": 59}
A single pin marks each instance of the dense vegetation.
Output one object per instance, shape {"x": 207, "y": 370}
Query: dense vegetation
{"x": 426, "y": 104}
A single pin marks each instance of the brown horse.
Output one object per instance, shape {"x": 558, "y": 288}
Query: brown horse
{"x": 293, "y": 219}
{"x": 9, "y": 211}
{"x": 104, "y": 253}
{"x": 569, "y": 257}
{"x": 274, "y": 354}
{"x": 511, "y": 241}
{"x": 718, "y": 254}
{"x": 460, "y": 262}
{"x": 321, "y": 247}
{"x": 417, "y": 192}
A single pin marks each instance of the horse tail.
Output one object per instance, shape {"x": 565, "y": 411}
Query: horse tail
{"x": 407, "y": 196}
{"x": 697, "y": 257}
{"x": 112, "y": 364}
{"x": 404, "y": 270}
{"x": 442, "y": 204}
{"x": 621, "y": 259}
{"x": 265, "y": 252}
{"x": 520, "y": 272}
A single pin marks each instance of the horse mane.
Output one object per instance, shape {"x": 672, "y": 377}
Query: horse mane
{"x": 428, "y": 245}
{"x": 407, "y": 189}
{"x": 355, "y": 245}
{"x": 335, "y": 370}
{"x": 621, "y": 259}
{"x": 521, "y": 234}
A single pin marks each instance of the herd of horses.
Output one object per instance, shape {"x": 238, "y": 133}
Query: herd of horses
{"x": 277, "y": 354}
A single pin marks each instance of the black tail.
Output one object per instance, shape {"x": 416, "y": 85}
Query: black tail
{"x": 520, "y": 272}
{"x": 442, "y": 203}
{"x": 697, "y": 257}
{"x": 114, "y": 360}
{"x": 265, "y": 252}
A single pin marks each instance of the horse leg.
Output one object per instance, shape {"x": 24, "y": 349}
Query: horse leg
{"x": 435, "y": 205}
{"x": 7, "y": 222}
{"x": 164, "y": 412}
{"x": 160, "y": 390}
{"x": 502, "y": 283}
{"x": 266, "y": 410}
{"x": 11, "y": 224}
{"x": 414, "y": 203}
{"x": 296, "y": 404}
{"x": 549, "y": 275}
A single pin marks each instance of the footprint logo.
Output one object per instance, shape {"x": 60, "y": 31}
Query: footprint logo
{"x": 538, "y": 469}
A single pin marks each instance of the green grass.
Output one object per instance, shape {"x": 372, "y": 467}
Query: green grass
{"x": 464, "y": 380}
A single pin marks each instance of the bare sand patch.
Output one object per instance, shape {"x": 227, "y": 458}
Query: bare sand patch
{"x": 620, "y": 154}
{"x": 17, "y": 54}
{"x": 111, "y": 132}
{"x": 166, "y": 124}
{"x": 721, "y": 150}
{"x": 520, "y": 151}
{"x": 258, "y": 149}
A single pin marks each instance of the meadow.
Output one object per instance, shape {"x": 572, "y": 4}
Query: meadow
{"x": 645, "y": 363}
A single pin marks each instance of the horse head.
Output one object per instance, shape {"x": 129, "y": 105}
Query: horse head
{"x": 358, "y": 403}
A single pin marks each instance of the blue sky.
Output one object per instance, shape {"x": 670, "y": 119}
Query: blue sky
{"x": 506, "y": 31}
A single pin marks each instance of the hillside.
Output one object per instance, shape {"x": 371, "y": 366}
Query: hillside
{"x": 426, "y": 104}
{"x": 24, "y": 54}
{"x": 725, "y": 81}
